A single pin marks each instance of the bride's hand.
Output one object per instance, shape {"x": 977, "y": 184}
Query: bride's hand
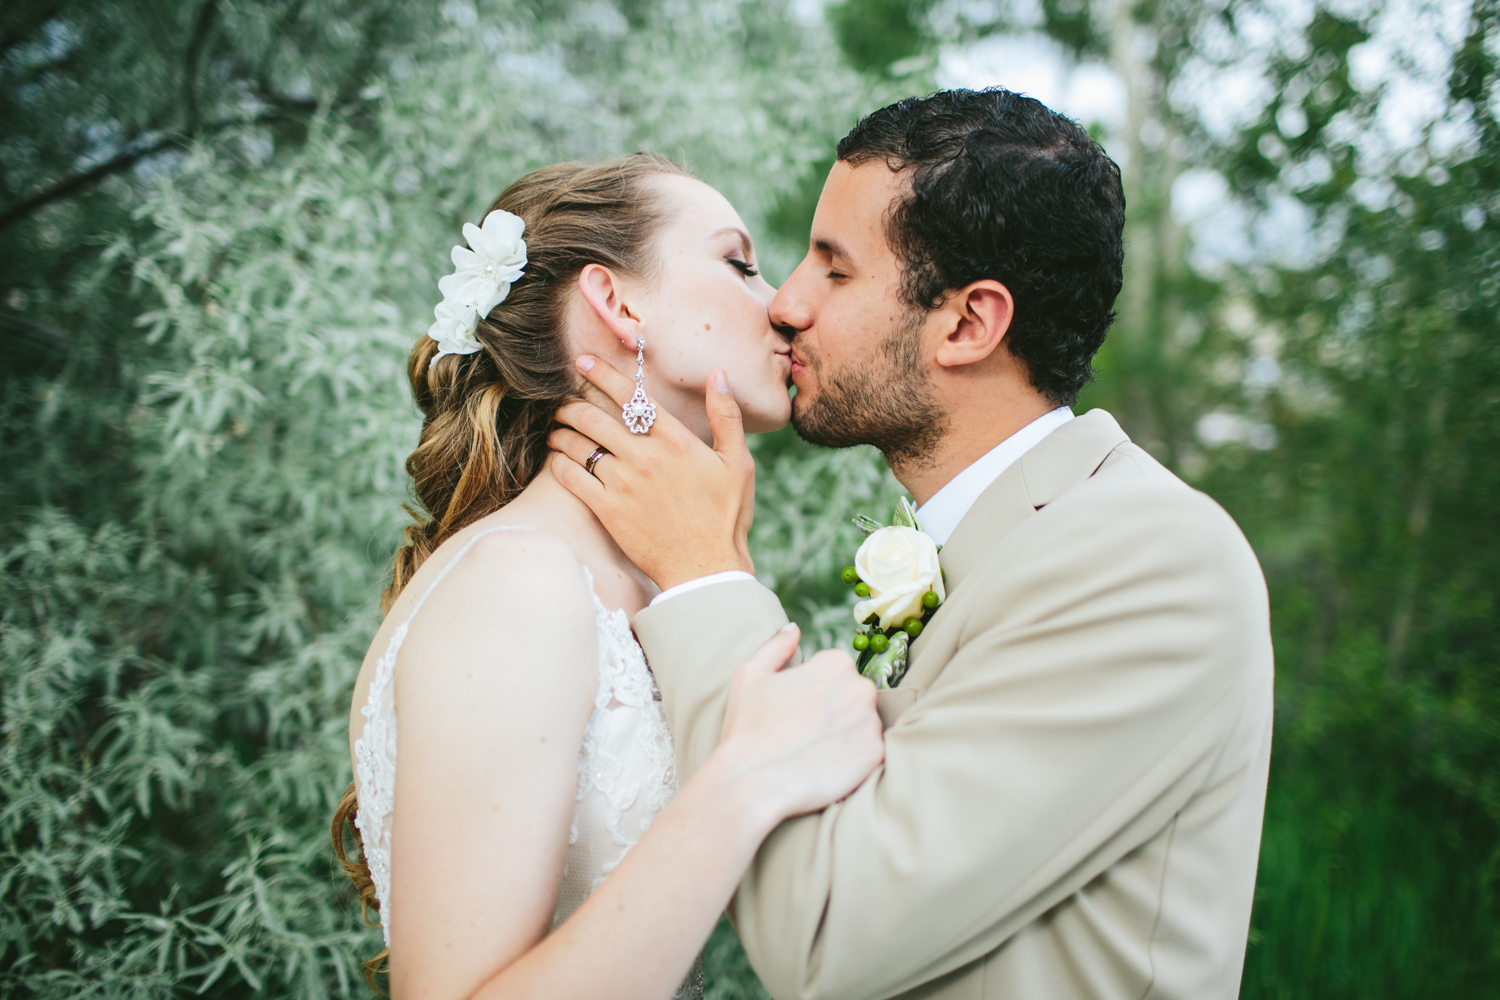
{"x": 806, "y": 736}
{"x": 678, "y": 509}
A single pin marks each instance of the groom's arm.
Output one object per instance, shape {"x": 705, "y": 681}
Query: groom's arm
{"x": 695, "y": 634}
{"x": 1090, "y": 695}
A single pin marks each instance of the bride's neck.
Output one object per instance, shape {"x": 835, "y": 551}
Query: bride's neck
{"x": 545, "y": 496}
{"x": 546, "y": 504}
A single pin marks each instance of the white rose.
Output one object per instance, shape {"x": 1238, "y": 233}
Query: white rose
{"x": 900, "y": 565}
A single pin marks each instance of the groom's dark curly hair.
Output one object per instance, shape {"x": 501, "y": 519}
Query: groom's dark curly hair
{"x": 1002, "y": 187}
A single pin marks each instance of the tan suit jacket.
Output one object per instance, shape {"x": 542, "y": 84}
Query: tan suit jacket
{"x": 1075, "y": 771}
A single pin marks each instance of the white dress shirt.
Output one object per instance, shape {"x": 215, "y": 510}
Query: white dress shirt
{"x": 940, "y": 514}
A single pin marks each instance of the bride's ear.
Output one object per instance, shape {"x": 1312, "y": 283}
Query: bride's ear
{"x": 602, "y": 291}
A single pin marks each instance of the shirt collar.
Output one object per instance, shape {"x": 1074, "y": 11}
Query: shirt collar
{"x": 942, "y": 512}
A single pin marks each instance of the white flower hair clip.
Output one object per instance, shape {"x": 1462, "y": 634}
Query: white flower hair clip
{"x": 482, "y": 275}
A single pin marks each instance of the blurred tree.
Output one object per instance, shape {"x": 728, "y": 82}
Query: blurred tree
{"x": 95, "y": 98}
{"x": 877, "y": 35}
{"x": 1373, "y": 516}
{"x": 222, "y": 226}
{"x": 205, "y": 412}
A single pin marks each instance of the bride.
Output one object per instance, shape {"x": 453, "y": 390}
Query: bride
{"x": 534, "y": 842}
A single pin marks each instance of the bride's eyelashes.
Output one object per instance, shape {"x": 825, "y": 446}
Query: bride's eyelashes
{"x": 744, "y": 267}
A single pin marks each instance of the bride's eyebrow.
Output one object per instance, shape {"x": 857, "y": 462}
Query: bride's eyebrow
{"x": 745, "y": 240}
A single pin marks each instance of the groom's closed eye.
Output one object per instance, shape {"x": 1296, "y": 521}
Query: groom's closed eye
{"x": 835, "y": 255}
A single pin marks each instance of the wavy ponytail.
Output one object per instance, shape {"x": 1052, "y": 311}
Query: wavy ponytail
{"x": 486, "y": 416}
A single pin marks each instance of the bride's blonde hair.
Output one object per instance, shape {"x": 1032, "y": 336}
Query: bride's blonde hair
{"x": 486, "y": 415}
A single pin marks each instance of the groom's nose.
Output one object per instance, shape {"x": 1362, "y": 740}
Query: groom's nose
{"x": 793, "y": 310}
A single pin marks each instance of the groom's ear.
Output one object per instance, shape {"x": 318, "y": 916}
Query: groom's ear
{"x": 602, "y": 291}
{"x": 974, "y": 322}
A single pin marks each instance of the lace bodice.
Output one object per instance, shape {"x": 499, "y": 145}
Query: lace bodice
{"x": 625, "y": 768}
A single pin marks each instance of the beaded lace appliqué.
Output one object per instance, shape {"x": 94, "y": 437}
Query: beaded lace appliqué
{"x": 626, "y": 773}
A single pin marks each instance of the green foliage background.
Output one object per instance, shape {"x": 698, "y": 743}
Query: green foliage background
{"x": 220, "y": 228}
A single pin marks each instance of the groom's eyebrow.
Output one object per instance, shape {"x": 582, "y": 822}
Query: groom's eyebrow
{"x": 832, "y": 249}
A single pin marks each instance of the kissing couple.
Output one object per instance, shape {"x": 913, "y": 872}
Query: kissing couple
{"x": 607, "y": 734}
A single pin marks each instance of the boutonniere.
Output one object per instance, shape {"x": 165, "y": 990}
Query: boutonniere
{"x": 899, "y": 584}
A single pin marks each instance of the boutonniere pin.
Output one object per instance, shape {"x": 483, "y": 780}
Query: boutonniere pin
{"x": 899, "y": 584}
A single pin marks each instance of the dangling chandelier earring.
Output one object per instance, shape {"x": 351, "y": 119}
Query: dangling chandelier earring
{"x": 640, "y": 412}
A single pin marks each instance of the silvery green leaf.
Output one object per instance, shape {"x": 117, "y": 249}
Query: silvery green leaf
{"x": 906, "y": 514}
{"x": 868, "y": 525}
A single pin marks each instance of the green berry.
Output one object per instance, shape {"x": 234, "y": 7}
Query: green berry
{"x": 879, "y": 642}
{"x": 930, "y": 600}
{"x": 861, "y": 589}
{"x": 850, "y": 575}
{"x": 861, "y": 642}
{"x": 913, "y": 627}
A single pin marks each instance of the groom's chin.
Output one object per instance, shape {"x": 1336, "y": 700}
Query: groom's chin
{"x": 812, "y": 427}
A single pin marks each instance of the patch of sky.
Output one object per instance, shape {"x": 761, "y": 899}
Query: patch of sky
{"x": 605, "y": 18}
{"x": 1200, "y": 203}
{"x": 460, "y": 13}
{"x": 807, "y": 12}
{"x": 1407, "y": 60}
{"x": 1311, "y": 172}
{"x": 1033, "y": 64}
{"x": 1222, "y": 97}
{"x": 1291, "y": 120}
{"x": 1219, "y": 428}
{"x": 1261, "y": 374}
{"x": 948, "y": 20}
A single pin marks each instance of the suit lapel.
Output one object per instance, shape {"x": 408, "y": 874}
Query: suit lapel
{"x": 1059, "y": 462}
{"x": 1001, "y": 508}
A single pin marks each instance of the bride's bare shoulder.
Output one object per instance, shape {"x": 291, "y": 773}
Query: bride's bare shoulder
{"x": 516, "y": 595}
{"x": 502, "y": 562}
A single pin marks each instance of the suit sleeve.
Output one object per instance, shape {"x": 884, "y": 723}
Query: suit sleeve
{"x": 693, "y": 642}
{"x": 1100, "y": 660}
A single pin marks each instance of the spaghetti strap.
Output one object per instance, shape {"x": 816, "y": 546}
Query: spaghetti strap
{"x": 454, "y": 562}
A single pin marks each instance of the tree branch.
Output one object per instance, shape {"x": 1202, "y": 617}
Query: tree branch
{"x": 283, "y": 108}
{"x": 202, "y": 28}
{"x": 36, "y": 332}
{"x": 123, "y": 160}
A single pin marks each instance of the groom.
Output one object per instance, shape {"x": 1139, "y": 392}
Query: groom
{"x": 1076, "y": 760}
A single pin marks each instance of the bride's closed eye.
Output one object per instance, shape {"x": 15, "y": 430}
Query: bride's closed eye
{"x": 744, "y": 267}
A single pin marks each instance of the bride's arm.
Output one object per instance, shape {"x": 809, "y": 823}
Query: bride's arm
{"x": 493, "y": 702}
{"x": 494, "y": 686}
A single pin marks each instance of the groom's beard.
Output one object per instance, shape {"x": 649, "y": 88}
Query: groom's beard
{"x": 887, "y": 403}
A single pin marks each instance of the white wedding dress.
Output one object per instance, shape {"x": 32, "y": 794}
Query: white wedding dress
{"x": 625, "y": 770}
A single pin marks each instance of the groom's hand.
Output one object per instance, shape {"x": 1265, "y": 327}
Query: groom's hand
{"x": 678, "y": 509}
